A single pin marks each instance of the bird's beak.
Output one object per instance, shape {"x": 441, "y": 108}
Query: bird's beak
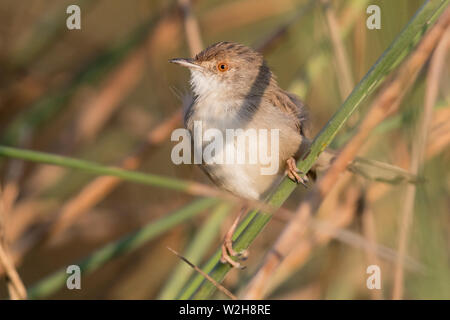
{"x": 190, "y": 63}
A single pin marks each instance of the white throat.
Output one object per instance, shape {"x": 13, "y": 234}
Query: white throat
{"x": 205, "y": 86}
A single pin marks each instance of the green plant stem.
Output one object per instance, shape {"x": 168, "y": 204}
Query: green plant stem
{"x": 52, "y": 283}
{"x": 94, "y": 168}
{"x": 389, "y": 60}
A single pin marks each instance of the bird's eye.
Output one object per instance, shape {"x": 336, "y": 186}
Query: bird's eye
{"x": 222, "y": 66}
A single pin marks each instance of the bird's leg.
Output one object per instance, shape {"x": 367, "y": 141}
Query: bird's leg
{"x": 293, "y": 172}
{"x": 227, "y": 245}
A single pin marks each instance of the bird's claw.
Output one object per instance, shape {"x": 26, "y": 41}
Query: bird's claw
{"x": 293, "y": 173}
{"x": 228, "y": 252}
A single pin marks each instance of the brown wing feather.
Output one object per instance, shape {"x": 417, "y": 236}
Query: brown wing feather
{"x": 292, "y": 105}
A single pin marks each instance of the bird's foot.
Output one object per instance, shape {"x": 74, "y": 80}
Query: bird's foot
{"x": 228, "y": 252}
{"x": 293, "y": 172}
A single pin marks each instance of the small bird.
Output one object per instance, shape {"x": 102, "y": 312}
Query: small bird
{"x": 235, "y": 89}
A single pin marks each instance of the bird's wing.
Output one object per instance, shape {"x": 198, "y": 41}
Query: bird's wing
{"x": 301, "y": 112}
{"x": 292, "y": 105}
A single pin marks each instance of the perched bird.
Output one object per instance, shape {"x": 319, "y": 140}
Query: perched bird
{"x": 233, "y": 88}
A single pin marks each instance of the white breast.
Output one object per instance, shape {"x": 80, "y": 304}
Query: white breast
{"x": 222, "y": 112}
{"x": 242, "y": 179}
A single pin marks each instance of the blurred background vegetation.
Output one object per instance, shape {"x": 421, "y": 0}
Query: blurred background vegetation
{"x": 106, "y": 93}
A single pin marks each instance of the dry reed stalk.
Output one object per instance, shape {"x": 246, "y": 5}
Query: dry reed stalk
{"x": 417, "y": 157}
{"x": 191, "y": 27}
{"x": 360, "y": 46}
{"x": 369, "y": 231}
{"x": 231, "y": 15}
{"x": 220, "y": 287}
{"x": 15, "y": 285}
{"x": 439, "y": 135}
{"x": 100, "y": 108}
{"x": 345, "y": 78}
{"x": 384, "y": 105}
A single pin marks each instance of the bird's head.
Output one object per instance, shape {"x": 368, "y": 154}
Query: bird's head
{"x": 227, "y": 69}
